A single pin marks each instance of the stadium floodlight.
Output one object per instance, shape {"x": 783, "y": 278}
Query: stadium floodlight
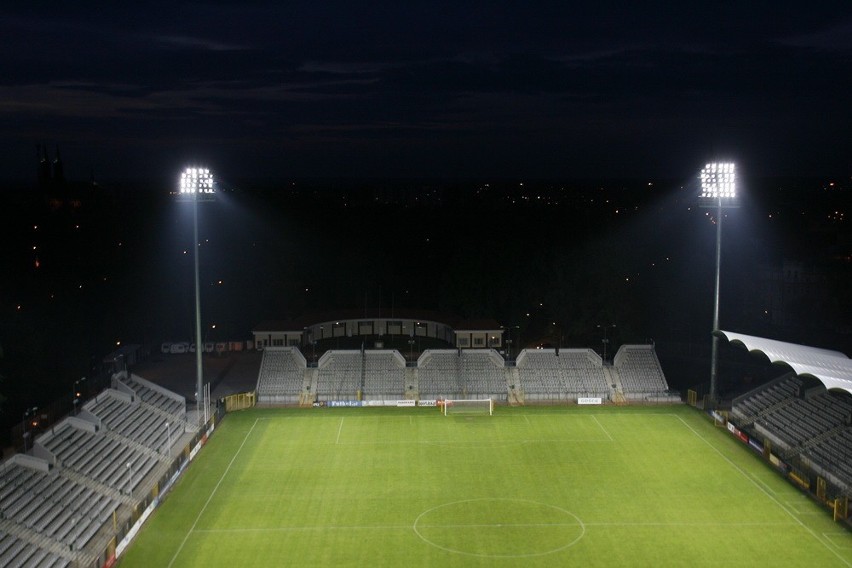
{"x": 718, "y": 181}
{"x": 718, "y": 189}
{"x": 196, "y": 184}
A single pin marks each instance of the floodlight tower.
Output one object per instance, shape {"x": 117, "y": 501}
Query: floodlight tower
{"x": 718, "y": 189}
{"x": 196, "y": 184}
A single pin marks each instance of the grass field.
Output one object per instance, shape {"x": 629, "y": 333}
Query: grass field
{"x": 555, "y": 486}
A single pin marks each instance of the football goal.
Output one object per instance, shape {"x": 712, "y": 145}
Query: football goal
{"x": 480, "y": 406}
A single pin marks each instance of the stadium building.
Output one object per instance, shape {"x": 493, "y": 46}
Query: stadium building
{"x": 86, "y": 485}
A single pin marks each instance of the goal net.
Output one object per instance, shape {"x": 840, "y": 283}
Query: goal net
{"x": 479, "y": 406}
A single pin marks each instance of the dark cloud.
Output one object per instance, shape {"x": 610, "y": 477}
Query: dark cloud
{"x": 551, "y": 88}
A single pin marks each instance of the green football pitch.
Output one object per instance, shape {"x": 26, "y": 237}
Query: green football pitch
{"x": 528, "y": 486}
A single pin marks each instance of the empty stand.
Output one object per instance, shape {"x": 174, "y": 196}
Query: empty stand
{"x": 811, "y": 423}
{"x": 384, "y": 375}
{"x": 640, "y": 373}
{"x": 50, "y": 505}
{"x": 546, "y": 375}
{"x": 282, "y": 375}
{"x": 438, "y": 372}
{"x": 340, "y": 375}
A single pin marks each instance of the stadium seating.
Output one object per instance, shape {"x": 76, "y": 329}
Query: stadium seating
{"x": 282, "y": 375}
{"x": 154, "y": 395}
{"x": 809, "y": 422}
{"x": 384, "y": 375}
{"x": 482, "y": 373}
{"x": 542, "y": 374}
{"x": 340, "y": 375}
{"x": 15, "y": 551}
{"x": 438, "y": 372}
{"x": 747, "y": 408}
{"x": 97, "y": 455}
{"x": 545, "y": 375}
{"x": 140, "y": 423}
{"x": 639, "y": 372}
{"x": 834, "y": 452}
{"x": 54, "y": 500}
{"x": 50, "y": 505}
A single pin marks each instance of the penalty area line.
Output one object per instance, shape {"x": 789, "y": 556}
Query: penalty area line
{"x": 595, "y": 418}
{"x": 339, "y": 430}
{"x": 212, "y": 493}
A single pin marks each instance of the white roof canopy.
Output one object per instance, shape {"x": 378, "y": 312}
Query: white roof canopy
{"x": 832, "y": 368}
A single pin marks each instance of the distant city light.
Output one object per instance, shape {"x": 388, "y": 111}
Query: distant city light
{"x": 718, "y": 180}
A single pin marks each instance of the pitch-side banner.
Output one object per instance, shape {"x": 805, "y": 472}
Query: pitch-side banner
{"x": 589, "y": 400}
{"x": 736, "y": 432}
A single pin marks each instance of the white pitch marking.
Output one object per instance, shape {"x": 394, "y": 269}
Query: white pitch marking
{"x": 844, "y": 536}
{"x": 212, "y": 493}
{"x": 595, "y": 418}
{"x": 314, "y": 528}
{"x": 485, "y": 525}
{"x": 765, "y": 492}
{"x": 339, "y": 429}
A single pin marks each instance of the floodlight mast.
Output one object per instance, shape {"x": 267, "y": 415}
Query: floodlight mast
{"x": 718, "y": 188}
{"x": 196, "y": 184}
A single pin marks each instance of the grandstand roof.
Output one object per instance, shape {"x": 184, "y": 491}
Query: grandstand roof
{"x": 832, "y": 368}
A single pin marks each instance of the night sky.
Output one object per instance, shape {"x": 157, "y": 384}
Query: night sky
{"x": 535, "y": 164}
{"x": 426, "y": 89}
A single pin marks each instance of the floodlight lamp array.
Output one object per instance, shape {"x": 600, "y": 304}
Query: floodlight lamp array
{"x": 196, "y": 180}
{"x": 718, "y": 181}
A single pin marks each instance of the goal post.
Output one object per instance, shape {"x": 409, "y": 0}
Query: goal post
{"x": 468, "y": 406}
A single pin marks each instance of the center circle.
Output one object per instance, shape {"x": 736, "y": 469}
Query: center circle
{"x": 499, "y": 527}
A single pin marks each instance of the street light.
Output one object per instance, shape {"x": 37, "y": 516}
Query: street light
{"x": 75, "y": 395}
{"x": 509, "y": 340}
{"x": 605, "y": 339}
{"x": 25, "y": 431}
{"x": 718, "y": 189}
{"x": 196, "y": 184}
